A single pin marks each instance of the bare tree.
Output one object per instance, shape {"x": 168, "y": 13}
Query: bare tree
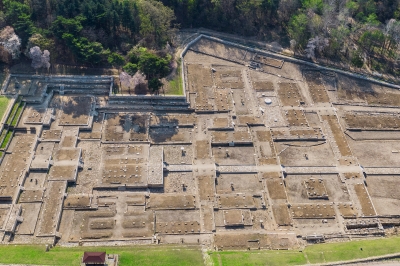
{"x": 287, "y": 8}
{"x": 6, "y": 33}
{"x": 315, "y": 24}
{"x": 329, "y": 16}
{"x": 393, "y": 31}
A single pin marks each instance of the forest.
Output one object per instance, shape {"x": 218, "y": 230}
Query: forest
{"x": 361, "y": 33}
{"x": 137, "y": 35}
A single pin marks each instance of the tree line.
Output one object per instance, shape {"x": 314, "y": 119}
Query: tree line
{"x": 90, "y": 32}
{"x": 364, "y": 33}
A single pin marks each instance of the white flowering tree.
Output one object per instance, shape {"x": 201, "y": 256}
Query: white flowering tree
{"x": 39, "y": 58}
{"x": 316, "y": 43}
{"x": 10, "y": 42}
{"x": 137, "y": 82}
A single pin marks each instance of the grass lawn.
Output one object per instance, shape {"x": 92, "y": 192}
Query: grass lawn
{"x": 132, "y": 255}
{"x": 352, "y": 250}
{"x": 253, "y": 258}
{"x": 6, "y": 140}
{"x": 3, "y": 135}
{"x": 315, "y": 253}
{"x": 17, "y": 114}
{"x": 180, "y": 256}
{"x": 3, "y": 105}
{"x": 13, "y": 110}
{"x": 175, "y": 85}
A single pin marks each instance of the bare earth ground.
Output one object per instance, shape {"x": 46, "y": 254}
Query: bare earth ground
{"x": 271, "y": 157}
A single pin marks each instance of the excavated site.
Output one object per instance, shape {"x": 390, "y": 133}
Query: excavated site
{"x": 260, "y": 153}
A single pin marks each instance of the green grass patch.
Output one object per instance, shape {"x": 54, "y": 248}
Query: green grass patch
{"x": 352, "y": 250}
{"x": 318, "y": 253}
{"x": 6, "y": 140}
{"x": 180, "y": 256}
{"x": 3, "y": 105}
{"x": 17, "y": 114}
{"x": 3, "y": 135}
{"x": 176, "y": 84}
{"x": 255, "y": 258}
{"x": 13, "y": 110}
{"x": 132, "y": 255}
